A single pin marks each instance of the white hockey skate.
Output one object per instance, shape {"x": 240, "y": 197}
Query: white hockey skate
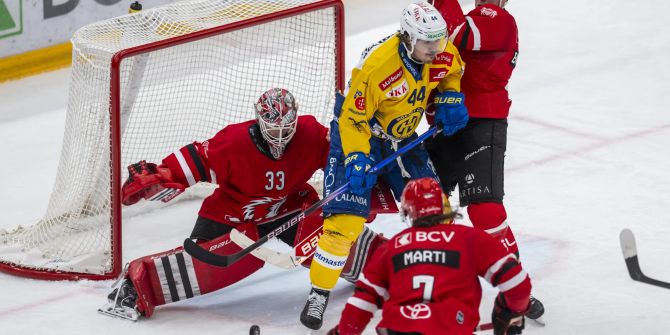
{"x": 122, "y": 300}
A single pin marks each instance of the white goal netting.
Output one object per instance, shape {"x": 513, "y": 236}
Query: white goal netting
{"x": 185, "y": 79}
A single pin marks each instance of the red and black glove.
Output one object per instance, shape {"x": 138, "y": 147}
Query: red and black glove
{"x": 151, "y": 182}
{"x": 505, "y": 321}
{"x": 333, "y": 331}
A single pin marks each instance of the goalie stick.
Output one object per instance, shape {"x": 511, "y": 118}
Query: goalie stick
{"x": 629, "y": 249}
{"x": 208, "y": 257}
{"x": 285, "y": 260}
{"x": 304, "y": 249}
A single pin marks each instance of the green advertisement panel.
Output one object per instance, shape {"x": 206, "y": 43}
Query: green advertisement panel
{"x": 11, "y": 18}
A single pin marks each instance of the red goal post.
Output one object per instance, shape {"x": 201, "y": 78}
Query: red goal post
{"x": 145, "y": 84}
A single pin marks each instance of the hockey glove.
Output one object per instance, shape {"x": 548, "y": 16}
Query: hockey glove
{"x": 505, "y": 321}
{"x": 450, "y": 112}
{"x": 356, "y": 164}
{"x": 333, "y": 331}
{"x": 151, "y": 182}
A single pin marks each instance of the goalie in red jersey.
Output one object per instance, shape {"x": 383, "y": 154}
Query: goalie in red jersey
{"x": 262, "y": 168}
{"x": 425, "y": 278}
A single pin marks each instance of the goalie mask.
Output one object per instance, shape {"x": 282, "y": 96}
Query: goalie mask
{"x": 277, "y": 114}
{"x": 423, "y": 197}
{"x": 425, "y": 31}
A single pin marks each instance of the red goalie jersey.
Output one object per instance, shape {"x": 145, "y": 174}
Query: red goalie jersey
{"x": 253, "y": 187}
{"x": 426, "y": 279}
{"x": 488, "y": 41}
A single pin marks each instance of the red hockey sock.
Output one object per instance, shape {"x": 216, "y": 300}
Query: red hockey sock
{"x": 491, "y": 217}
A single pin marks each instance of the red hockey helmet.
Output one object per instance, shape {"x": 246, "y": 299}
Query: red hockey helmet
{"x": 423, "y": 197}
{"x": 277, "y": 114}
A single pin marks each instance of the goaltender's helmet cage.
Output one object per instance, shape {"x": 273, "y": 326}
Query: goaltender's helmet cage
{"x": 423, "y": 197}
{"x": 277, "y": 114}
{"x": 421, "y": 21}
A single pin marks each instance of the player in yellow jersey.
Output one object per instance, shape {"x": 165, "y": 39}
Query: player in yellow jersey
{"x": 386, "y": 99}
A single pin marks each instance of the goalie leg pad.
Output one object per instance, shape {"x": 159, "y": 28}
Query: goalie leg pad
{"x": 381, "y": 201}
{"x": 309, "y": 232}
{"x": 173, "y": 275}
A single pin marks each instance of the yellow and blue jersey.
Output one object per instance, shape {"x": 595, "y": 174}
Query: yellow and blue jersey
{"x": 388, "y": 92}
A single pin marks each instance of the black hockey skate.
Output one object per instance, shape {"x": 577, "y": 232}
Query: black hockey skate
{"x": 517, "y": 329}
{"x": 122, "y": 302}
{"x": 536, "y": 310}
{"x": 312, "y": 314}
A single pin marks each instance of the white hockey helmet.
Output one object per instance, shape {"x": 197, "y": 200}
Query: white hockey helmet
{"x": 277, "y": 114}
{"x": 421, "y": 21}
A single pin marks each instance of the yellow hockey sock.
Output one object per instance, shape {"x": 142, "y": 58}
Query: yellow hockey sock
{"x": 339, "y": 233}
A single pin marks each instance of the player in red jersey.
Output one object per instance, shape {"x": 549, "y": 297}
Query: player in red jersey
{"x": 262, "y": 168}
{"x": 425, "y": 278}
{"x": 473, "y": 158}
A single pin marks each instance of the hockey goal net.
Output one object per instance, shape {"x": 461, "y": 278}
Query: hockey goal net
{"x": 145, "y": 84}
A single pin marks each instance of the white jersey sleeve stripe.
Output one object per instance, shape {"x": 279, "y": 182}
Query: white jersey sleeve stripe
{"x": 184, "y": 168}
{"x": 494, "y": 230}
{"x": 211, "y": 173}
{"x": 496, "y": 266}
{"x": 455, "y": 33}
{"x": 362, "y": 304}
{"x": 380, "y": 290}
{"x": 513, "y": 282}
{"x": 476, "y": 36}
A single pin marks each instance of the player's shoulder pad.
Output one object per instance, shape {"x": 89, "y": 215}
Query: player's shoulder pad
{"x": 308, "y": 121}
{"x": 367, "y": 51}
{"x": 379, "y": 54}
{"x": 309, "y": 124}
{"x": 492, "y": 12}
{"x": 228, "y": 137}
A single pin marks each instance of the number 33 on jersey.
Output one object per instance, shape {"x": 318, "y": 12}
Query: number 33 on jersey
{"x": 388, "y": 92}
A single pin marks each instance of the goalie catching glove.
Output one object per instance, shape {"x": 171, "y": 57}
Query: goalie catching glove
{"x": 151, "y": 182}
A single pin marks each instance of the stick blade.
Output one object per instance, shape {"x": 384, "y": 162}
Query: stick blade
{"x": 203, "y": 255}
{"x": 628, "y": 246}
{"x": 276, "y": 258}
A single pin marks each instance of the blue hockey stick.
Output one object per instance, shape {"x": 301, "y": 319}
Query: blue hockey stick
{"x": 291, "y": 218}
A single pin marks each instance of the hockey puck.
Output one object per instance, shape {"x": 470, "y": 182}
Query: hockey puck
{"x": 255, "y": 330}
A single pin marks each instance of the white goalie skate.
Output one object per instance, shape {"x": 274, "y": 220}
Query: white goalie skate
{"x": 122, "y": 300}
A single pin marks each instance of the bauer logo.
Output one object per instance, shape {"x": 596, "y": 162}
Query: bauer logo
{"x": 11, "y": 18}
